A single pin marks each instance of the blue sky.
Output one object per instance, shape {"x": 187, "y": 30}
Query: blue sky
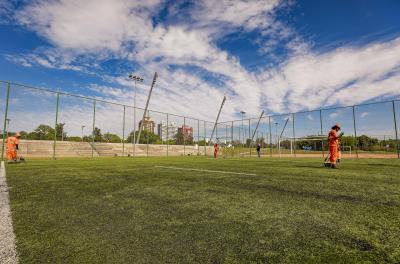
{"x": 279, "y": 56}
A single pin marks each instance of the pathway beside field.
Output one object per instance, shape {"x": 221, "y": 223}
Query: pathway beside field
{"x": 8, "y": 252}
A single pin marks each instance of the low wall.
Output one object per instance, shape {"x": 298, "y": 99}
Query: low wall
{"x": 45, "y": 148}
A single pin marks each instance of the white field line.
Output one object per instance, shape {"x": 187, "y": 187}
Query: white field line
{"x": 200, "y": 170}
{"x": 8, "y": 252}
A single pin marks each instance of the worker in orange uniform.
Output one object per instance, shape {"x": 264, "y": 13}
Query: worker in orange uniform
{"x": 333, "y": 140}
{"x": 12, "y": 147}
{"x": 216, "y": 149}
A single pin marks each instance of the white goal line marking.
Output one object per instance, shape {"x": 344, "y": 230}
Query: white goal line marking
{"x": 200, "y": 170}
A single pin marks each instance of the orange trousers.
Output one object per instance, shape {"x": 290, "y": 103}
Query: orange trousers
{"x": 11, "y": 154}
{"x": 333, "y": 154}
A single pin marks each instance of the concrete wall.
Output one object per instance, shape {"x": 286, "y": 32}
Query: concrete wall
{"x": 44, "y": 148}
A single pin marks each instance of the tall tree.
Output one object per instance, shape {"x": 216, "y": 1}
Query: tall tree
{"x": 44, "y": 132}
{"x": 61, "y": 134}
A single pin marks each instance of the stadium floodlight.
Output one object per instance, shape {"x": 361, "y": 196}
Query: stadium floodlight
{"x": 136, "y": 78}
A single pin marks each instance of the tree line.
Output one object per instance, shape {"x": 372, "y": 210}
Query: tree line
{"x": 46, "y": 132}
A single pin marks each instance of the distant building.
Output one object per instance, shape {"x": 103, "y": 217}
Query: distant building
{"x": 148, "y": 124}
{"x": 187, "y": 132}
{"x": 167, "y": 131}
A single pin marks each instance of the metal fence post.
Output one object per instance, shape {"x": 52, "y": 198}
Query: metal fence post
{"x": 232, "y": 133}
{"x": 134, "y": 131}
{"x": 93, "y": 125}
{"x": 55, "y": 126}
{"x": 5, "y": 120}
{"x": 183, "y": 136}
{"x": 270, "y": 136}
{"x": 123, "y": 134}
{"x": 216, "y": 133}
{"x": 198, "y": 137}
{"x": 205, "y": 147}
{"x": 322, "y": 142}
{"x": 355, "y": 131}
{"x": 395, "y": 130}
{"x": 249, "y": 138}
{"x": 226, "y": 133}
{"x": 167, "y": 135}
{"x": 294, "y": 137}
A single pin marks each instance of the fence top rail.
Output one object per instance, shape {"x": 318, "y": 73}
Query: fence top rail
{"x": 176, "y": 115}
{"x": 93, "y": 99}
{"x": 316, "y": 110}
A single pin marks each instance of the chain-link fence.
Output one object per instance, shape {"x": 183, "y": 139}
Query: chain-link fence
{"x": 370, "y": 131}
{"x": 58, "y": 124}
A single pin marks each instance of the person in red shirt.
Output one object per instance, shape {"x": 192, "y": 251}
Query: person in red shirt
{"x": 12, "y": 143}
{"x": 333, "y": 141}
{"x": 216, "y": 149}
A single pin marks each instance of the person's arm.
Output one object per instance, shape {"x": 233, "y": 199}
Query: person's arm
{"x": 333, "y": 135}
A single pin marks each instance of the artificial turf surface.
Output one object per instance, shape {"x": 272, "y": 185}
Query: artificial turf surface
{"x": 125, "y": 210}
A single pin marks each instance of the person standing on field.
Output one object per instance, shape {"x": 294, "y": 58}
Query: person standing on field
{"x": 259, "y": 150}
{"x": 333, "y": 141}
{"x": 216, "y": 149}
{"x": 12, "y": 143}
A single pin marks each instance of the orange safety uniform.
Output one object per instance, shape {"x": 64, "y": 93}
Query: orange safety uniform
{"x": 12, "y": 146}
{"x": 333, "y": 141}
{"x": 216, "y": 149}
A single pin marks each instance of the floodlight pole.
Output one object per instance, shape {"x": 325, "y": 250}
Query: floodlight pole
{"x": 136, "y": 79}
{"x": 255, "y": 130}
{"x": 147, "y": 105}
{"x": 280, "y": 136}
{"x": 216, "y": 121}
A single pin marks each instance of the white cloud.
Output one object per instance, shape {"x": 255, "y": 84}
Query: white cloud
{"x": 86, "y": 32}
{"x": 364, "y": 114}
{"x": 347, "y": 75}
{"x": 334, "y": 114}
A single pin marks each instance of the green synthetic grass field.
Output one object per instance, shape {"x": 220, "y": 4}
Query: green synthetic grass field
{"x": 125, "y": 210}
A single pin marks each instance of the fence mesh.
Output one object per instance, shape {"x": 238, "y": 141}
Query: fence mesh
{"x": 57, "y": 124}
